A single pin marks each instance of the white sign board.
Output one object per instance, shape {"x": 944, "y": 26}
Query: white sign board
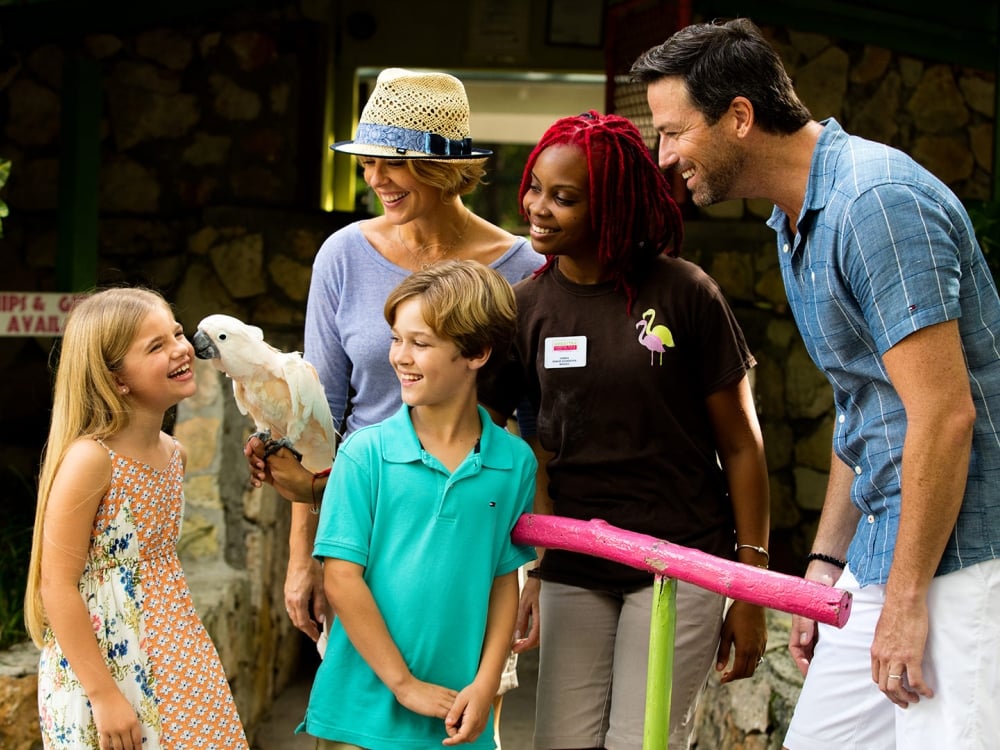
{"x": 34, "y": 313}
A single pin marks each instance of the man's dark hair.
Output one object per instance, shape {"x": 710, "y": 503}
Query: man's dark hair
{"x": 720, "y": 61}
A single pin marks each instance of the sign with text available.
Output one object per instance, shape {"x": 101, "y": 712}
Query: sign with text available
{"x": 34, "y": 313}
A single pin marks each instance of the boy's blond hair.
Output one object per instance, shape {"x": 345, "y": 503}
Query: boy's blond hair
{"x": 464, "y": 301}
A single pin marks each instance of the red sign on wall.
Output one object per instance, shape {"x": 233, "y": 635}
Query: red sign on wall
{"x": 34, "y": 313}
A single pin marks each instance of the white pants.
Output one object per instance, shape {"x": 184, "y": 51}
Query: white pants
{"x": 841, "y": 707}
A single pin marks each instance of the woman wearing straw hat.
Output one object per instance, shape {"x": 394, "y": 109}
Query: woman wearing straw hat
{"x": 414, "y": 145}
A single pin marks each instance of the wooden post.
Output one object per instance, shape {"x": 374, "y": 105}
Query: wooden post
{"x": 732, "y": 579}
{"x": 667, "y": 562}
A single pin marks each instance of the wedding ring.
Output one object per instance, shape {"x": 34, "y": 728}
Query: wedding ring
{"x": 895, "y": 677}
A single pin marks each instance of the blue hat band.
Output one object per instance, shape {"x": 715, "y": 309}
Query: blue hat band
{"x": 405, "y": 139}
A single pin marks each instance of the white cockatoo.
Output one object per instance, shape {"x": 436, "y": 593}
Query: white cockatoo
{"x": 279, "y": 390}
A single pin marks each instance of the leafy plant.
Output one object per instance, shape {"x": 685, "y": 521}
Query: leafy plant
{"x": 985, "y": 217}
{"x": 15, "y": 550}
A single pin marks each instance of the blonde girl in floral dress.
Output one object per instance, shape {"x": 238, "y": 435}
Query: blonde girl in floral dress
{"x": 126, "y": 663}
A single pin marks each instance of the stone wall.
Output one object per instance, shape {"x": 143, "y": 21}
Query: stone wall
{"x": 752, "y": 714}
{"x": 203, "y": 196}
{"x": 19, "y": 698}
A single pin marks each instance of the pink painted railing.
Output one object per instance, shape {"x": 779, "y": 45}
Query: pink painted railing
{"x": 766, "y": 588}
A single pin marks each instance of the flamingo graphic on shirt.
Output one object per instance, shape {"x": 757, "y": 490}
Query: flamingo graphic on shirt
{"x": 657, "y": 339}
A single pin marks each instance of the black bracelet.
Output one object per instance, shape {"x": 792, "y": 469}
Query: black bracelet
{"x": 827, "y": 559}
{"x": 534, "y": 573}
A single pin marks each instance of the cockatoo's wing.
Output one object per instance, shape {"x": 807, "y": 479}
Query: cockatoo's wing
{"x": 310, "y": 424}
{"x": 266, "y": 400}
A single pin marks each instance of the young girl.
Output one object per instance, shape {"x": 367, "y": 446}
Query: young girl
{"x": 125, "y": 663}
{"x": 638, "y": 371}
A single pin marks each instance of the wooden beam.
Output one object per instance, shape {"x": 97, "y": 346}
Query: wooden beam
{"x": 766, "y": 588}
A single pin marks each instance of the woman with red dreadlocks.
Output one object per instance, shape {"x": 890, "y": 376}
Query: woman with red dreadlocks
{"x": 637, "y": 372}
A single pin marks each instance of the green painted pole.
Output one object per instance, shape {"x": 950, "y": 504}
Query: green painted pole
{"x": 660, "y": 674}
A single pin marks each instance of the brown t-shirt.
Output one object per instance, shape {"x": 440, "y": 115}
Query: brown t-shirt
{"x": 627, "y": 418}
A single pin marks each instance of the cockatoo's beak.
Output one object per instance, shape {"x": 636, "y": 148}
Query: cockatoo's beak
{"x": 203, "y": 346}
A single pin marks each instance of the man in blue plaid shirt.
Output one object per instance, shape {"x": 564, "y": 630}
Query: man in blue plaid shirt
{"x": 897, "y": 306}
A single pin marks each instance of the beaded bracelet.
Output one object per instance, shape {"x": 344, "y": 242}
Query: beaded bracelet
{"x": 827, "y": 559}
{"x": 314, "y": 508}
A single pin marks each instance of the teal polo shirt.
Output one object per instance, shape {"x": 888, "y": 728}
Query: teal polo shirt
{"x": 431, "y": 543}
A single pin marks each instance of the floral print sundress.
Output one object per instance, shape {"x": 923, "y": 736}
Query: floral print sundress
{"x": 141, "y": 610}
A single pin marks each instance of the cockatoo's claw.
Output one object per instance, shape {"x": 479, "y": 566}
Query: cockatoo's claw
{"x": 264, "y": 436}
{"x": 273, "y": 446}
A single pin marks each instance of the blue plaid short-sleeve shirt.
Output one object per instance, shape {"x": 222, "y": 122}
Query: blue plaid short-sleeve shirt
{"x": 883, "y": 249}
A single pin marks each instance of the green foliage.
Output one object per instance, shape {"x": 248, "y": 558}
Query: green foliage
{"x": 985, "y": 217}
{"x": 15, "y": 550}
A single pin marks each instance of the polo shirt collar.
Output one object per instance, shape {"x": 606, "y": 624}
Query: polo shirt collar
{"x": 822, "y": 172}
{"x": 401, "y": 445}
{"x": 823, "y": 169}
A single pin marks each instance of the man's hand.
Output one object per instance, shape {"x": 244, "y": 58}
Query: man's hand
{"x": 802, "y": 642}
{"x": 898, "y": 652}
{"x": 804, "y": 635}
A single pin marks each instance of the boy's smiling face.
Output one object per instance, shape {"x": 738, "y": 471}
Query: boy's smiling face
{"x": 430, "y": 368}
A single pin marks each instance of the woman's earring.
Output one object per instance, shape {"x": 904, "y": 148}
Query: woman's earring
{"x": 124, "y": 389}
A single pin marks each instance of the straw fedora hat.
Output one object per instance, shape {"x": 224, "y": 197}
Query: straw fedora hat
{"x": 414, "y": 115}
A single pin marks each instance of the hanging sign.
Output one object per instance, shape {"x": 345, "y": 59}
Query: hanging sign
{"x": 34, "y": 313}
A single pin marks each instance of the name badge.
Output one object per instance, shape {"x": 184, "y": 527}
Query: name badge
{"x": 565, "y": 351}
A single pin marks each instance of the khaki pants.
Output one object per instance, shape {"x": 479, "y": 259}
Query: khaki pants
{"x": 593, "y": 659}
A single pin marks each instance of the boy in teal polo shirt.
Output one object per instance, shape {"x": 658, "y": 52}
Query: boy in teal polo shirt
{"x": 414, "y": 532}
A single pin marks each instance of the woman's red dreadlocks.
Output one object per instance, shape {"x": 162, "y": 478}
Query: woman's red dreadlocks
{"x": 631, "y": 210}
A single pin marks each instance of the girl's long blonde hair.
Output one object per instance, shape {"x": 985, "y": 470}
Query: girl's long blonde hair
{"x": 86, "y": 401}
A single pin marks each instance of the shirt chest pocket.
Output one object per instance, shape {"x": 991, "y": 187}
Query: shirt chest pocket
{"x": 828, "y": 312}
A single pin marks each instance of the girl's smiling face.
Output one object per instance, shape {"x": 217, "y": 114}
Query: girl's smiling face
{"x": 557, "y": 204}
{"x": 157, "y": 368}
